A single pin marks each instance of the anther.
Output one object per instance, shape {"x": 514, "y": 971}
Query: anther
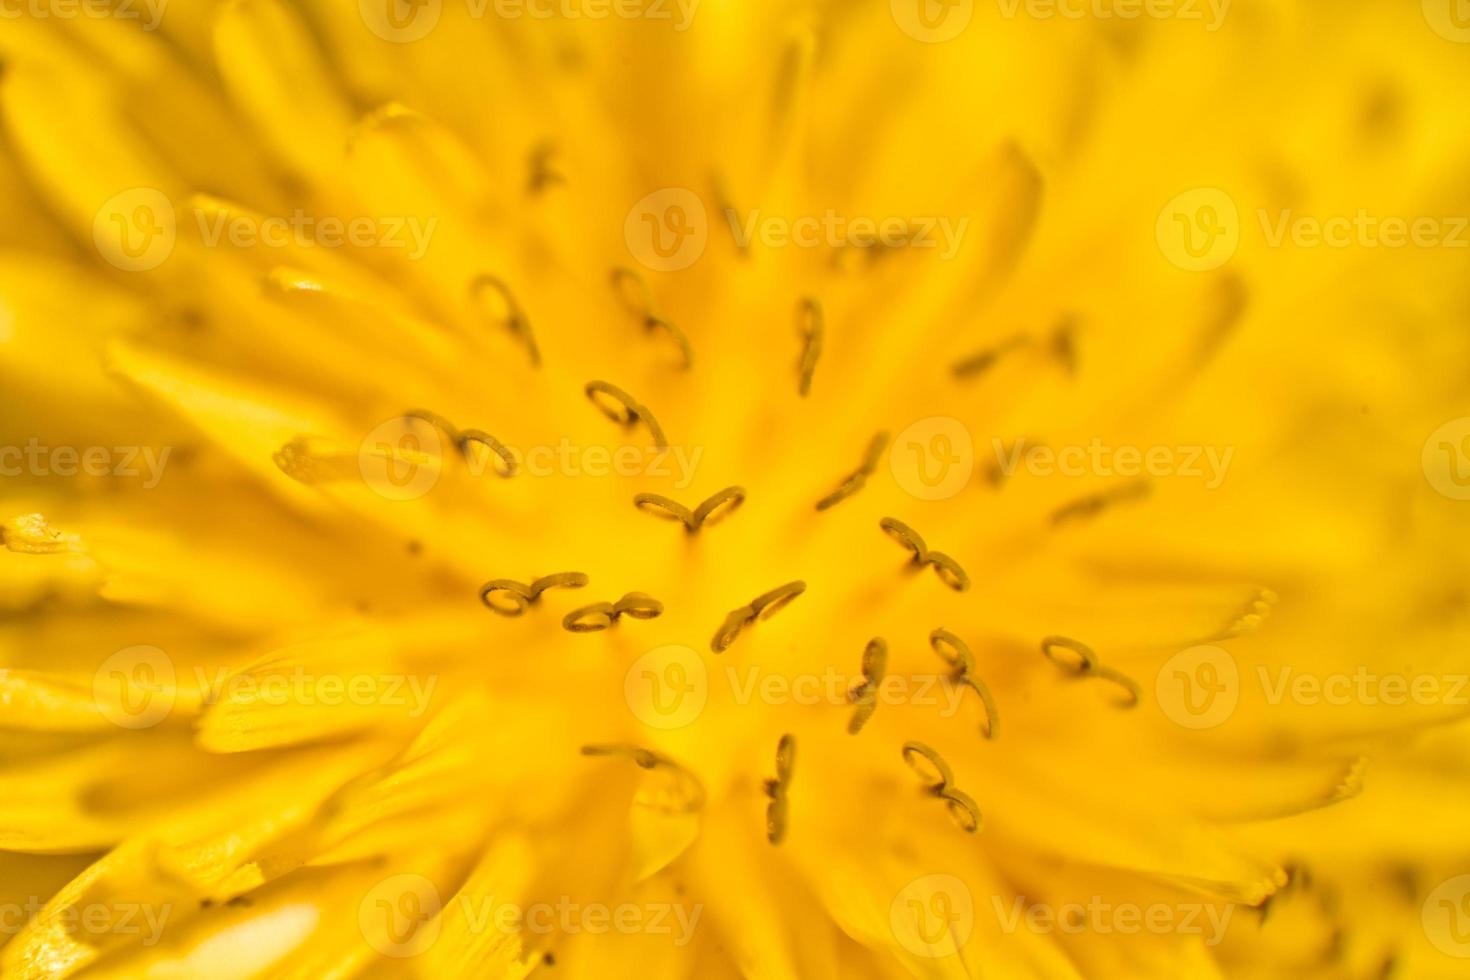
{"x": 865, "y": 695}
{"x": 776, "y": 810}
{"x": 506, "y": 597}
{"x": 810, "y": 324}
{"x": 511, "y": 316}
{"x": 763, "y": 606}
{"x": 718, "y": 507}
{"x": 1095, "y": 504}
{"x": 557, "y": 580}
{"x": 767, "y": 604}
{"x": 939, "y": 780}
{"x": 505, "y": 464}
{"x": 949, "y": 571}
{"x": 906, "y": 536}
{"x": 665, "y": 507}
{"x": 1131, "y": 691}
{"x": 857, "y": 479}
{"x": 620, "y": 407}
{"x": 590, "y": 619}
{"x": 1086, "y": 658}
{"x": 984, "y": 360}
{"x": 639, "y": 605}
{"x": 637, "y": 299}
{"x": 601, "y": 615}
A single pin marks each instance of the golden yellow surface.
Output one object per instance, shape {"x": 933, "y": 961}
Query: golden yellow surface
{"x": 1094, "y": 377}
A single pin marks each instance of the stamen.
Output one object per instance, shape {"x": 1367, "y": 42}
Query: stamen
{"x": 984, "y": 360}
{"x": 601, "y": 615}
{"x": 763, "y": 606}
{"x": 620, "y": 407}
{"x": 936, "y": 775}
{"x": 512, "y": 317}
{"x": 963, "y": 809}
{"x": 680, "y": 339}
{"x": 938, "y": 780}
{"x": 718, "y": 507}
{"x": 906, "y": 536}
{"x": 639, "y": 605}
{"x": 1128, "y": 684}
{"x": 776, "y": 811}
{"x": 712, "y": 511}
{"x": 952, "y": 650}
{"x": 437, "y": 421}
{"x": 637, "y": 298}
{"x": 956, "y": 652}
{"x": 506, "y": 465}
{"x": 511, "y": 598}
{"x": 1094, "y": 504}
{"x": 542, "y": 173}
{"x": 519, "y": 597}
{"x": 767, "y": 604}
{"x": 614, "y": 402}
{"x": 557, "y": 580}
{"x": 810, "y": 324}
{"x": 590, "y": 619}
{"x": 664, "y": 507}
{"x": 864, "y": 695}
{"x": 948, "y": 570}
{"x": 992, "y": 716}
{"x": 1087, "y": 659}
{"x": 735, "y": 621}
{"x": 857, "y": 479}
